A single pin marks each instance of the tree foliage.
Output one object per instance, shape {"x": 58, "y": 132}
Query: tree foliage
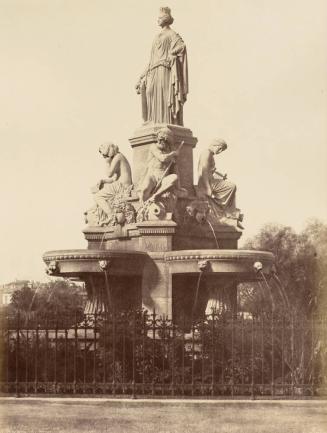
{"x": 56, "y": 297}
{"x": 301, "y": 263}
{"x": 23, "y": 299}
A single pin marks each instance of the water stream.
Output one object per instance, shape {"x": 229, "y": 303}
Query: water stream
{"x": 196, "y": 293}
{"x": 281, "y": 289}
{"x": 102, "y": 238}
{"x": 214, "y": 234}
{"x": 30, "y": 306}
{"x": 108, "y": 290}
{"x": 269, "y": 289}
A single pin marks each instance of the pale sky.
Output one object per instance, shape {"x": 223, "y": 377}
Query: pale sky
{"x": 258, "y": 79}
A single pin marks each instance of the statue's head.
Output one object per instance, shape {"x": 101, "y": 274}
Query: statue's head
{"x": 108, "y": 150}
{"x": 218, "y": 145}
{"x": 165, "y": 18}
{"x": 164, "y": 136}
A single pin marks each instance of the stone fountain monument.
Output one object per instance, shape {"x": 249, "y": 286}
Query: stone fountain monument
{"x": 154, "y": 239}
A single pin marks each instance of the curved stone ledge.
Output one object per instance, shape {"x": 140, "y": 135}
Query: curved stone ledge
{"x": 89, "y": 254}
{"x": 238, "y": 264}
{"x": 218, "y": 255}
{"x": 67, "y": 263}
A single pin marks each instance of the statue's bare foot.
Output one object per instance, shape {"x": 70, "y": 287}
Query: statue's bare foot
{"x": 239, "y": 225}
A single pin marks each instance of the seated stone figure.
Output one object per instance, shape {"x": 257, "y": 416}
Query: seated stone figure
{"x": 214, "y": 187}
{"x": 160, "y": 175}
{"x": 159, "y": 185}
{"x": 111, "y": 192}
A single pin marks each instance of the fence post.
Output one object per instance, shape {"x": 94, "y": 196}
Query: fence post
{"x": 223, "y": 354}
{"x": 114, "y": 318}
{"x": 46, "y": 366}
{"x": 26, "y": 360}
{"x": 8, "y": 354}
{"x": 192, "y": 356}
{"x": 202, "y": 356}
{"x": 94, "y": 351}
{"x": 252, "y": 359}
{"x": 272, "y": 355}
{"x": 106, "y": 322}
{"x": 173, "y": 360}
{"x": 292, "y": 352}
{"x": 312, "y": 357}
{"x": 283, "y": 354}
{"x": 134, "y": 344}
{"x": 75, "y": 355}
{"x": 212, "y": 353}
{"x": 84, "y": 355}
{"x": 232, "y": 326}
{"x": 144, "y": 327}
{"x": 153, "y": 349}
{"x": 164, "y": 351}
{"x": 242, "y": 351}
{"x": 262, "y": 354}
{"x": 183, "y": 356}
{"x": 17, "y": 354}
{"x": 36, "y": 354}
{"x": 56, "y": 355}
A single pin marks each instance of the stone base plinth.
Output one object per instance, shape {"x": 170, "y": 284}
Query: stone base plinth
{"x": 201, "y": 231}
{"x": 112, "y": 238}
{"x": 200, "y": 236}
{"x": 156, "y": 235}
{"x": 147, "y": 135}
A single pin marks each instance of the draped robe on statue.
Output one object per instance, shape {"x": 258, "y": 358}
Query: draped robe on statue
{"x": 166, "y": 79}
{"x": 221, "y": 193}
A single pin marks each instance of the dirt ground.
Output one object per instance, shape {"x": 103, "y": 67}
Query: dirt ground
{"x": 55, "y": 415}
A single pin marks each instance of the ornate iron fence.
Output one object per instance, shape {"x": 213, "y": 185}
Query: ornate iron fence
{"x": 136, "y": 353}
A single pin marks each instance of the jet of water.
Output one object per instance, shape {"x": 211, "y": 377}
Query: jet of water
{"x": 108, "y": 290}
{"x": 281, "y": 289}
{"x": 269, "y": 290}
{"x": 196, "y": 293}
{"x": 214, "y": 234}
{"x": 102, "y": 238}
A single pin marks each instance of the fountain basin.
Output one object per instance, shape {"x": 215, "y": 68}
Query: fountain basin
{"x": 162, "y": 281}
{"x": 238, "y": 264}
{"x": 76, "y": 263}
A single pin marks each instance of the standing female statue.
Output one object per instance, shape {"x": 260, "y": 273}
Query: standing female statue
{"x": 164, "y": 83}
